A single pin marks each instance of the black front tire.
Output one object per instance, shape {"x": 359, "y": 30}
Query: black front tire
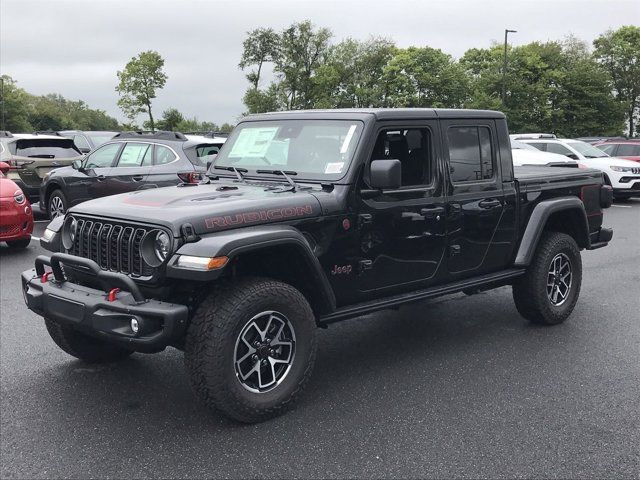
{"x": 212, "y": 343}
{"x": 57, "y": 204}
{"x": 22, "y": 243}
{"x": 530, "y": 292}
{"x": 84, "y": 347}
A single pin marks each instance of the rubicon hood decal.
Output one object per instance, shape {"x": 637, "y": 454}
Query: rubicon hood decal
{"x": 258, "y": 216}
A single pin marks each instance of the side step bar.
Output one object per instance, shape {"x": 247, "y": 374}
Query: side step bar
{"x": 363, "y": 308}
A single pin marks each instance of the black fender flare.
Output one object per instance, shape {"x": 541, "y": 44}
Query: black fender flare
{"x": 232, "y": 243}
{"x": 538, "y": 220}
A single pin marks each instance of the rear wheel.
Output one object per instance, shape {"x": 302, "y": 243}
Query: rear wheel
{"x": 250, "y": 349}
{"x": 84, "y": 347}
{"x": 22, "y": 243}
{"x": 548, "y": 292}
{"x": 57, "y": 205}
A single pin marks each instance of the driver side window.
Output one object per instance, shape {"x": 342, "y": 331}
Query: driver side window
{"x": 103, "y": 156}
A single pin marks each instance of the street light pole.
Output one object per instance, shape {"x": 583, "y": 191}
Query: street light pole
{"x": 504, "y": 67}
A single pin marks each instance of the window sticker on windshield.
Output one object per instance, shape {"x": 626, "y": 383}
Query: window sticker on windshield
{"x": 253, "y": 142}
{"x": 347, "y": 140}
{"x": 335, "y": 167}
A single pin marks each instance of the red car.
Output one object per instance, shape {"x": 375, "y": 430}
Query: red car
{"x": 628, "y": 149}
{"x": 16, "y": 217}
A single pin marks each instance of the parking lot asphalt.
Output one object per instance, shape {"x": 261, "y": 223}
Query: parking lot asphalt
{"x": 457, "y": 387}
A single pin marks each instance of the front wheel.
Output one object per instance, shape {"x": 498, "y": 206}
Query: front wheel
{"x": 549, "y": 290}
{"x": 250, "y": 348}
{"x": 57, "y": 205}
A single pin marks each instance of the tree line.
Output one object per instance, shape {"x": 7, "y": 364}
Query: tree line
{"x": 564, "y": 87}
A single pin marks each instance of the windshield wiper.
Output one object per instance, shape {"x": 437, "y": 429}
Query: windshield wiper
{"x": 285, "y": 174}
{"x": 233, "y": 169}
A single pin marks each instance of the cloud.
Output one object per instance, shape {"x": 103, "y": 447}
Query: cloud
{"x": 76, "y": 47}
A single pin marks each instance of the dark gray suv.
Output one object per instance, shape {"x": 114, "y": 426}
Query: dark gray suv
{"x": 130, "y": 161}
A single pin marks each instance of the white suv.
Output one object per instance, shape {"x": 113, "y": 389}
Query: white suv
{"x": 623, "y": 175}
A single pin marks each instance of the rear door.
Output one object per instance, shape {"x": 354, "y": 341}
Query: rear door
{"x": 132, "y": 168}
{"x": 475, "y": 199}
{"x": 166, "y": 166}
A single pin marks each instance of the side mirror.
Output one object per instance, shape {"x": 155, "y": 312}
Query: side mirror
{"x": 77, "y": 165}
{"x": 385, "y": 174}
{"x": 4, "y": 167}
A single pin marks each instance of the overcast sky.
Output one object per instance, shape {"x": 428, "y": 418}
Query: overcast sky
{"x": 76, "y": 47}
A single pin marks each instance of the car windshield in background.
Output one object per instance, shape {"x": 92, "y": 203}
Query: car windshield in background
{"x": 99, "y": 139}
{"x": 46, "y": 148}
{"x": 587, "y": 150}
{"x": 314, "y": 149}
{"x": 202, "y": 154}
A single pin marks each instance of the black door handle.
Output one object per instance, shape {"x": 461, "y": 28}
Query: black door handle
{"x": 431, "y": 211}
{"x": 137, "y": 178}
{"x": 101, "y": 178}
{"x": 490, "y": 203}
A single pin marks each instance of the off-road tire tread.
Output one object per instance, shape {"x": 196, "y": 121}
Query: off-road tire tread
{"x": 213, "y": 323}
{"x": 530, "y": 292}
{"x": 85, "y": 348}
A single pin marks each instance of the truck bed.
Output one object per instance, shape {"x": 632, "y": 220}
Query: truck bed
{"x": 555, "y": 176}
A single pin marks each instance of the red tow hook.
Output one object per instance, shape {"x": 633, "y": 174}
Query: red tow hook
{"x": 45, "y": 277}
{"x": 112, "y": 294}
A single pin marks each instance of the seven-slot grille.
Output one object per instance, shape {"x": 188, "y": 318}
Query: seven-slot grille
{"x": 113, "y": 246}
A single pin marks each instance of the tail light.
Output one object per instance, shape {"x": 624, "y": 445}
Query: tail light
{"x": 18, "y": 164}
{"x": 190, "y": 177}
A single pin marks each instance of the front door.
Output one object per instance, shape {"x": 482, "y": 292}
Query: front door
{"x": 402, "y": 231}
{"x": 132, "y": 169}
{"x": 91, "y": 181}
{"x": 475, "y": 197}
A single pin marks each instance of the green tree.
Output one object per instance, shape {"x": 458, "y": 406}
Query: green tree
{"x": 138, "y": 82}
{"x": 260, "y": 46}
{"x": 351, "y": 75}
{"x": 15, "y": 106}
{"x": 425, "y": 77}
{"x": 170, "y": 120}
{"x": 619, "y": 52}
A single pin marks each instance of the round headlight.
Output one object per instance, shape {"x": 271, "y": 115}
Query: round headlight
{"x": 19, "y": 197}
{"x": 162, "y": 245}
{"x": 69, "y": 229}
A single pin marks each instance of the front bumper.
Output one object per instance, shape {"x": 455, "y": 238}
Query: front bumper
{"x": 16, "y": 221}
{"x": 90, "y": 311}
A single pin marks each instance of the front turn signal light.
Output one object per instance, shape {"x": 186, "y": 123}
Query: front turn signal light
{"x": 201, "y": 263}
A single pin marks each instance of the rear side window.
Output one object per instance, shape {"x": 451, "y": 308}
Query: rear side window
{"x": 470, "y": 154}
{"x": 135, "y": 154}
{"x": 164, "y": 155}
{"x": 628, "y": 150}
{"x": 201, "y": 155}
{"x": 46, "y": 148}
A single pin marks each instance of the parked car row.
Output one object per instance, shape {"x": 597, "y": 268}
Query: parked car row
{"x": 61, "y": 169}
{"x": 622, "y": 173}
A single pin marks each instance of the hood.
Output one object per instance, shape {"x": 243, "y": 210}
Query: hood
{"x": 7, "y": 187}
{"x": 608, "y": 161}
{"x": 524, "y": 157}
{"x": 208, "y": 208}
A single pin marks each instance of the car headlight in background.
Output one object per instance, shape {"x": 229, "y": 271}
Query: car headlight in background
{"x": 19, "y": 197}
{"x": 615, "y": 168}
{"x": 162, "y": 245}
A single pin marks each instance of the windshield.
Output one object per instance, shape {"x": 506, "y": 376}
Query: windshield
{"x": 46, "y": 148}
{"x": 587, "y": 150}
{"x": 99, "y": 139}
{"x": 516, "y": 145}
{"x": 314, "y": 149}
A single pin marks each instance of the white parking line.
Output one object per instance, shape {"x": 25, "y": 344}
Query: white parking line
{"x": 37, "y": 239}
{"x": 621, "y": 206}
{"x": 41, "y": 221}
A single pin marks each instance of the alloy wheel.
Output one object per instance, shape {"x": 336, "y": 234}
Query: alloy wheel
{"x": 559, "y": 279}
{"x": 264, "y": 351}
{"x": 56, "y": 207}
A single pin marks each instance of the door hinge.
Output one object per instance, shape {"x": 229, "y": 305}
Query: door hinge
{"x": 364, "y": 265}
{"x": 364, "y": 219}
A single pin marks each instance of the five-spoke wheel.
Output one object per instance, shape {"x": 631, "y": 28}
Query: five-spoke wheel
{"x": 559, "y": 279}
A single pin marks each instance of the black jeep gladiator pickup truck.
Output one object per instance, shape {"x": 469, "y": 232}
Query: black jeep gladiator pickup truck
{"x": 307, "y": 218}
